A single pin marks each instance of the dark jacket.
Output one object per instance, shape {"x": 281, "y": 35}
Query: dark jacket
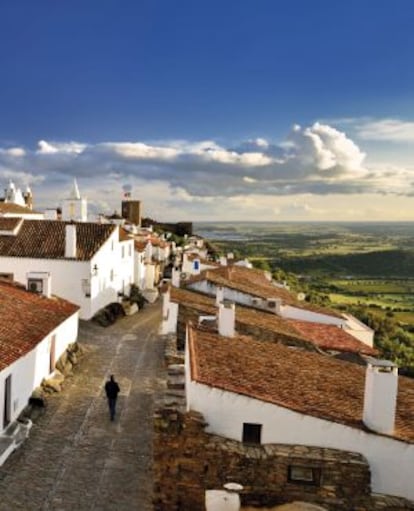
{"x": 111, "y": 389}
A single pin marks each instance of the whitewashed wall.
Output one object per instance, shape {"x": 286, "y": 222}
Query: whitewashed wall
{"x": 391, "y": 461}
{"x": 68, "y": 276}
{"x": 169, "y": 315}
{"x": 139, "y": 269}
{"x": 228, "y": 294}
{"x": 288, "y": 311}
{"x": 359, "y": 330}
{"x": 28, "y": 372}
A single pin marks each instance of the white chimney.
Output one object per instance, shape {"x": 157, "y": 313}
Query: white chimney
{"x": 227, "y": 319}
{"x": 380, "y": 399}
{"x": 219, "y": 295}
{"x": 223, "y": 260}
{"x": 175, "y": 277}
{"x": 70, "y": 240}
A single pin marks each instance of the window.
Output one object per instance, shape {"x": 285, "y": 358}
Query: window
{"x": 130, "y": 250}
{"x": 304, "y": 475}
{"x": 111, "y": 277}
{"x": 123, "y": 252}
{"x": 252, "y": 433}
{"x": 6, "y": 276}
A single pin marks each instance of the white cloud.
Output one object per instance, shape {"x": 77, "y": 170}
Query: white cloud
{"x": 318, "y": 159}
{"x": 13, "y": 152}
{"x": 45, "y": 147}
{"x": 391, "y": 130}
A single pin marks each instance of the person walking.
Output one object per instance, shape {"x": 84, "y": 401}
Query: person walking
{"x": 112, "y": 389}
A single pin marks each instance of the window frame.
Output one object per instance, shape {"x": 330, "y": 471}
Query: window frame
{"x": 252, "y": 433}
{"x": 314, "y": 480}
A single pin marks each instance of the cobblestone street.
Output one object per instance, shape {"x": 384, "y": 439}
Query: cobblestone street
{"x": 76, "y": 458}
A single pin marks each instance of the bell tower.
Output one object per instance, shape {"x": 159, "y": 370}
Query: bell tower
{"x": 75, "y": 208}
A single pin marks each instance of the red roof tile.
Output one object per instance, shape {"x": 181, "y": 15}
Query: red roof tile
{"x": 254, "y": 282}
{"x": 305, "y": 382}
{"x": 331, "y": 337}
{"x": 16, "y": 209}
{"x": 45, "y": 239}
{"x": 26, "y": 319}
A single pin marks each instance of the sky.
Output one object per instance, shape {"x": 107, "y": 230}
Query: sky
{"x": 263, "y": 110}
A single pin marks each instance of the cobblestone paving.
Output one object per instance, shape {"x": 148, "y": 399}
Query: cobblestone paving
{"x": 76, "y": 458}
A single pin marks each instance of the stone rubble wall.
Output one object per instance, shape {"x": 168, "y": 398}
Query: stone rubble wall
{"x": 188, "y": 461}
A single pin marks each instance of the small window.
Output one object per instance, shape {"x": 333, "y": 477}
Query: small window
{"x": 112, "y": 244}
{"x": 111, "y": 277}
{"x": 252, "y": 433}
{"x": 304, "y": 475}
{"x": 130, "y": 250}
{"x": 6, "y": 276}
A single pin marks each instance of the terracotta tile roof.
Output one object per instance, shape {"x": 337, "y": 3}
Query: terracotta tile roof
{"x": 9, "y": 223}
{"x": 124, "y": 235}
{"x": 306, "y": 382}
{"x": 252, "y": 281}
{"x": 331, "y": 337}
{"x": 9, "y": 207}
{"x": 140, "y": 246}
{"x": 325, "y": 337}
{"x": 32, "y": 317}
{"x": 45, "y": 239}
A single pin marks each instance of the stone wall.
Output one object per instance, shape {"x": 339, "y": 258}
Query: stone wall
{"x": 188, "y": 461}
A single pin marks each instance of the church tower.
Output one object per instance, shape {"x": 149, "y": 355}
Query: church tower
{"x": 75, "y": 207}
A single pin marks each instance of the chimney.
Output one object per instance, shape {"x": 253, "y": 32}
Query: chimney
{"x": 219, "y": 295}
{"x": 70, "y": 240}
{"x": 227, "y": 319}
{"x": 380, "y": 399}
{"x": 175, "y": 277}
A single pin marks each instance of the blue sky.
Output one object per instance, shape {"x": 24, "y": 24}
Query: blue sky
{"x": 234, "y": 109}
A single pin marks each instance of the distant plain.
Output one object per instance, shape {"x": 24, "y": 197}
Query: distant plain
{"x": 368, "y": 264}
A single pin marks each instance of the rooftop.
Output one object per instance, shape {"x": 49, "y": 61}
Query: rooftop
{"x": 32, "y": 316}
{"x": 326, "y": 337}
{"x": 45, "y": 239}
{"x": 322, "y": 386}
{"x": 254, "y": 282}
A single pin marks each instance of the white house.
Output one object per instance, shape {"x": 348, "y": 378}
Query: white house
{"x": 194, "y": 264}
{"x": 251, "y": 287}
{"x": 268, "y": 393}
{"x": 34, "y": 332}
{"x": 88, "y": 264}
{"x": 179, "y": 303}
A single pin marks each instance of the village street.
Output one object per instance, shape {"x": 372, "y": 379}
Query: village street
{"x": 75, "y": 457}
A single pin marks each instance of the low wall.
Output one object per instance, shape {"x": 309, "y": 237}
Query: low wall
{"x": 188, "y": 461}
